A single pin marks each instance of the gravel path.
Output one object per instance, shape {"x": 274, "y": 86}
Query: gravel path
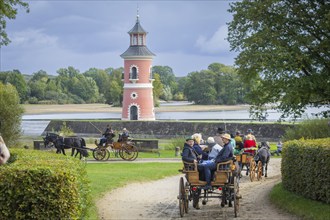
{"x": 158, "y": 200}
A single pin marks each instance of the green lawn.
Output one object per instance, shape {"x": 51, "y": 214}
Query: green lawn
{"x": 298, "y": 205}
{"x": 105, "y": 177}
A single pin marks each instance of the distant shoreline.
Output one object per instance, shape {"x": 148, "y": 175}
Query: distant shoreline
{"x": 32, "y": 109}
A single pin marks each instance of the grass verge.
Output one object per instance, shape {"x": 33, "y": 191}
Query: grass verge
{"x": 105, "y": 177}
{"x": 298, "y": 205}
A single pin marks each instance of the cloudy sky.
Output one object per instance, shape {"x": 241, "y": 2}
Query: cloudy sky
{"x": 185, "y": 35}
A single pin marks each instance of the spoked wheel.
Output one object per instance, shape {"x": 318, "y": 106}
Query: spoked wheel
{"x": 101, "y": 153}
{"x": 128, "y": 152}
{"x": 259, "y": 170}
{"x": 236, "y": 196}
{"x": 252, "y": 170}
{"x": 181, "y": 197}
{"x": 186, "y": 198}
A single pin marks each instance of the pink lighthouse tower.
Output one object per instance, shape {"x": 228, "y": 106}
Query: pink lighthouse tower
{"x": 138, "y": 103}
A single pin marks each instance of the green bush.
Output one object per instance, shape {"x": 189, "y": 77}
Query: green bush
{"x": 309, "y": 129}
{"x": 40, "y": 185}
{"x": 305, "y": 168}
{"x": 175, "y": 142}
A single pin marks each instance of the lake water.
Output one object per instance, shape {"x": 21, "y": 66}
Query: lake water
{"x": 34, "y": 125}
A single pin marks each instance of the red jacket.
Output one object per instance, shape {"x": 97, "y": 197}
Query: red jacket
{"x": 249, "y": 144}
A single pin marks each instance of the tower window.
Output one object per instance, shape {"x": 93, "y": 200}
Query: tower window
{"x": 141, "y": 40}
{"x": 134, "y": 73}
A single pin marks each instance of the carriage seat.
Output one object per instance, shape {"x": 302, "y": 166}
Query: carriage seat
{"x": 221, "y": 175}
{"x": 223, "y": 172}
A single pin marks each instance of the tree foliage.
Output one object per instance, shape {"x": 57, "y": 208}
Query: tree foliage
{"x": 219, "y": 84}
{"x": 157, "y": 88}
{"x": 167, "y": 78}
{"x": 284, "y": 53}
{"x": 10, "y": 113}
{"x": 8, "y": 10}
{"x": 16, "y": 79}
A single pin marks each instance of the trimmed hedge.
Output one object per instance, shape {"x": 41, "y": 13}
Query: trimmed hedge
{"x": 305, "y": 168}
{"x": 43, "y": 185}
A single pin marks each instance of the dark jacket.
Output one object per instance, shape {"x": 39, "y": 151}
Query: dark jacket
{"x": 188, "y": 154}
{"x": 225, "y": 153}
{"x": 199, "y": 151}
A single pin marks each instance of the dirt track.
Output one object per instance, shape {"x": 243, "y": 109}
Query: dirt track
{"x": 158, "y": 200}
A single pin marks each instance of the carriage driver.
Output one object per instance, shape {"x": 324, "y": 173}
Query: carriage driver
{"x": 108, "y": 133}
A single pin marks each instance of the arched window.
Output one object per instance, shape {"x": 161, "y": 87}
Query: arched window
{"x": 134, "y": 73}
{"x": 133, "y": 113}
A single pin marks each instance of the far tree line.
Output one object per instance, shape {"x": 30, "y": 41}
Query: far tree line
{"x": 218, "y": 84}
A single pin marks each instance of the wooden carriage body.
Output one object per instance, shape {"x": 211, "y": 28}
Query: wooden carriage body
{"x": 222, "y": 175}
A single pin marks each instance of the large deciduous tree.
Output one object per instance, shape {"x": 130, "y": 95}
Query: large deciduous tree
{"x": 8, "y": 10}
{"x": 284, "y": 52}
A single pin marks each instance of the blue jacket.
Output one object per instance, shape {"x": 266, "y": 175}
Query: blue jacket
{"x": 188, "y": 154}
{"x": 225, "y": 153}
{"x": 199, "y": 151}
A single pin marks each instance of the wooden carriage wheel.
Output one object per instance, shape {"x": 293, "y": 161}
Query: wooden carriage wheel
{"x": 252, "y": 169}
{"x": 181, "y": 198}
{"x": 101, "y": 153}
{"x": 259, "y": 170}
{"x": 186, "y": 197}
{"x": 236, "y": 195}
{"x": 128, "y": 152}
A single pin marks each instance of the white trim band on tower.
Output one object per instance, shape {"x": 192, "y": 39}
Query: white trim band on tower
{"x": 137, "y": 85}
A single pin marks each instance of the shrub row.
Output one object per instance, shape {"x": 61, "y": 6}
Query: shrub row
{"x": 43, "y": 185}
{"x": 305, "y": 168}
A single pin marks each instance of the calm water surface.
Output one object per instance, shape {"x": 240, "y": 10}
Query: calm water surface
{"x": 34, "y": 125}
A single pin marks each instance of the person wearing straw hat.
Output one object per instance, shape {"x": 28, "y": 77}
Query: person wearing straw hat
{"x": 225, "y": 153}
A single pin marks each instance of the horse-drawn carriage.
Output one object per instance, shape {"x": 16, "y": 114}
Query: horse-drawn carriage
{"x": 246, "y": 159}
{"x": 225, "y": 186}
{"x": 254, "y": 162}
{"x": 124, "y": 147}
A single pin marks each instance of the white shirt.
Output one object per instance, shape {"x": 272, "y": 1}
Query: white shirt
{"x": 214, "y": 152}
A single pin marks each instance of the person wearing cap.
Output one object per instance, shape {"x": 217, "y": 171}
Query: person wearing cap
{"x": 188, "y": 154}
{"x": 214, "y": 148}
{"x": 225, "y": 153}
{"x": 217, "y": 137}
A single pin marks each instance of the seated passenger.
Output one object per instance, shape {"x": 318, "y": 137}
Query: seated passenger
{"x": 124, "y": 136}
{"x": 214, "y": 148}
{"x": 198, "y": 149}
{"x": 188, "y": 154}
{"x": 239, "y": 143}
{"x": 250, "y": 142}
{"x": 211, "y": 165}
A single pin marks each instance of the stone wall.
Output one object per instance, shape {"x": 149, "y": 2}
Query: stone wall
{"x": 169, "y": 129}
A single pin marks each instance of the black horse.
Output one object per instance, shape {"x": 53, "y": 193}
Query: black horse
{"x": 263, "y": 155}
{"x": 61, "y": 143}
